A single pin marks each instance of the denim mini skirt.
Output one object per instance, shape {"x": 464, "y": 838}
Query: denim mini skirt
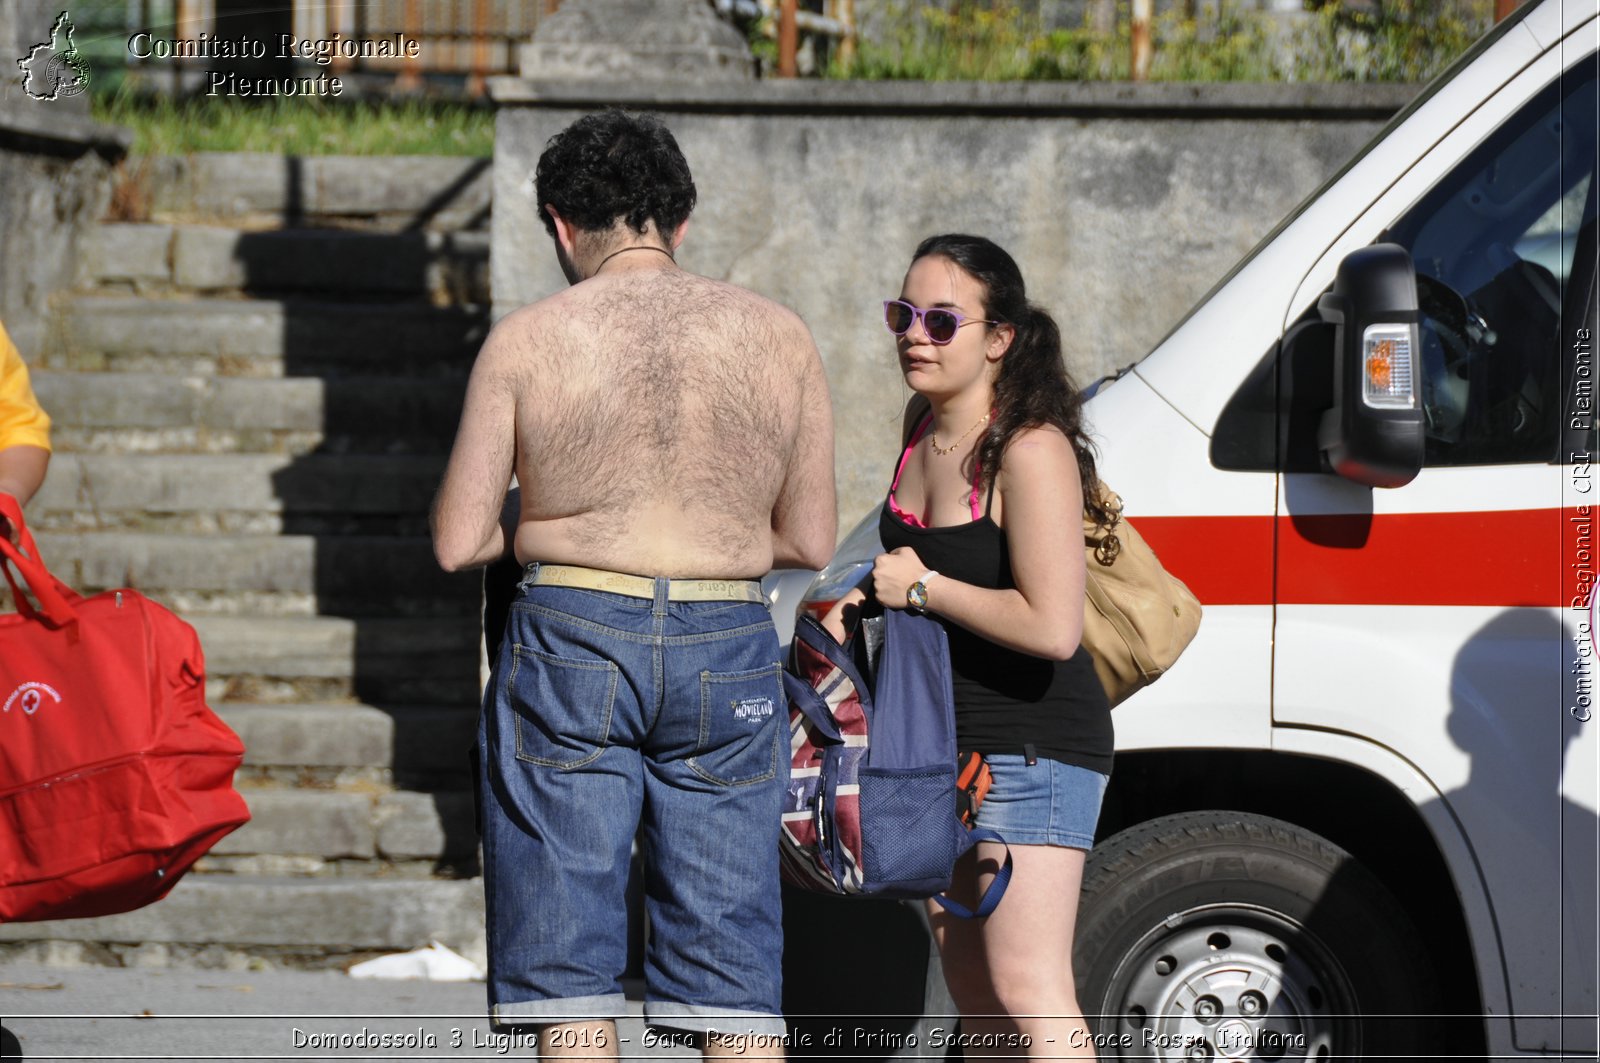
{"x": 1043, "y": 803}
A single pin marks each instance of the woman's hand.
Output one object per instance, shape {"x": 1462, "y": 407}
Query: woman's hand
{"x": 843, "y": 616}
{"x": 1038, "y": 505}
{"x": 894, "y": 573}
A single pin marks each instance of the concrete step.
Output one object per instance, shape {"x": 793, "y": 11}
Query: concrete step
{"x": 320, "y": 781}
{"x": 332, "y": 659}
{"x": 130, "y": 413}
{"x": 264, "y": 338}
{"x": 418, "y": 747}
{"x": 262, "y": 494}
{"x": 400, "y": 193}
{"x": 223, "y": 920}
{"x": 312, "y": 832}
{"x": 266, "y": 575}
{"x": 443, "y": 268}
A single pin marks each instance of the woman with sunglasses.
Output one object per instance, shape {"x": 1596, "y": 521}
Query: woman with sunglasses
{"x": 983, "y": 531}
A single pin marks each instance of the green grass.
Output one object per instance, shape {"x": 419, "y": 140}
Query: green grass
{"x": 1224, "y": 41}
{"x": 299, "y": 126}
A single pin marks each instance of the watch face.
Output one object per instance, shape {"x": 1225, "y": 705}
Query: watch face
{"x": 917, "y": 595}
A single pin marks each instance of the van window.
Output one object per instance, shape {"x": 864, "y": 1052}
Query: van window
{"x": 1495, "y": 250}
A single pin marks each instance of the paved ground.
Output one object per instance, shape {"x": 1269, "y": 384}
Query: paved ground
{"x": 67, "y": 1014}
{"x": 854, "y": 989}
{"x": 81, "y": 1013}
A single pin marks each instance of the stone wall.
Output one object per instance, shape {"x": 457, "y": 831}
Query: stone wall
{"x": 1123, "y": 204}
{"x": 55, "y": 181}
{"x": 54, "y": 185}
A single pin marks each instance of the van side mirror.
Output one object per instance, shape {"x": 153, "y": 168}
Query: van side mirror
{"x": 1373, "y": 435}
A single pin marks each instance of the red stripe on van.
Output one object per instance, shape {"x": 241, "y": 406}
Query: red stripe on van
{"x": 1501, "y": 558}
{"x": 1495, "y": 558}
{"x": 1224, "y": 560}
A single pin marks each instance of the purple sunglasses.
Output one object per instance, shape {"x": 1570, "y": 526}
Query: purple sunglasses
{"x": 938, "y": 322}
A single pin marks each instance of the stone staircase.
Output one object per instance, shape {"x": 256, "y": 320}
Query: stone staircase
{"x": 253, "y": 397}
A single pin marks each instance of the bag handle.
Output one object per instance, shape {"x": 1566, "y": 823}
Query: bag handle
{"x": 55, "y": 597}
{"x": 809, "y": 702}
{"x": 19, "y": 597}
{"x": 997, "y": 886}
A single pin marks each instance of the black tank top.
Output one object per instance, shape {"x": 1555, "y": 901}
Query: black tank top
{"x": 1007, "y": 701}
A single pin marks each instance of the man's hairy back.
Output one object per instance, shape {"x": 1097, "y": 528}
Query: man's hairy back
{"x": 657, "y": 414}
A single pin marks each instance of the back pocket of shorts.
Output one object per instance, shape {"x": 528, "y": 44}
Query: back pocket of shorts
{"x": 563, "y": 707}
{"x": 739, "y": 716}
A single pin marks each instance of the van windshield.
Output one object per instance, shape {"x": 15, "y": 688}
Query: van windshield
{"x": 1466, "y": 59}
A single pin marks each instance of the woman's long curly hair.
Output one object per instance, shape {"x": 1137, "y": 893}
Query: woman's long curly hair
{"x": 1032, "y": 388}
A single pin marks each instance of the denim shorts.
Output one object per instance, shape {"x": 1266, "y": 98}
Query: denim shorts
{"x": 1043, "y": 803}
{"x": 607, "y": 718}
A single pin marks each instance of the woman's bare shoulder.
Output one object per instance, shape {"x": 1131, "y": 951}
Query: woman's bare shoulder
{"x": 1036, "y": 457}
{"x": 1038, "y": 445}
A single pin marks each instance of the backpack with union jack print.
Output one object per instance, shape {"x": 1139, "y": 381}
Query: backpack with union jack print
{"x": 871, "y": 808}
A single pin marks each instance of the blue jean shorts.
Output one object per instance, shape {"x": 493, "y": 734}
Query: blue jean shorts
{"x": 607, "y": 718}
{"x": 1043, "y": 803}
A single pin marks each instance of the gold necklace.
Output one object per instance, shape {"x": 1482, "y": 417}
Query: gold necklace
{"x": 933, "y": 438}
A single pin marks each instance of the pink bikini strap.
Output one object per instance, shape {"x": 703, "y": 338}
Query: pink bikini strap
{"x": 916, "y": 437}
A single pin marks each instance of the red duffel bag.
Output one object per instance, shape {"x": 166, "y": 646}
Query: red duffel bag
{"x": 114, "y": 775}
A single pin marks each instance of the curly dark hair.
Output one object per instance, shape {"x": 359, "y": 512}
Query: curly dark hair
{"x": 1032, "y": 388}
{"x": 615, "y": 165}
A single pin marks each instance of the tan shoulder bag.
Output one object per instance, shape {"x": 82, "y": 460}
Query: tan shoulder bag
{"x": 1137, "y": 616}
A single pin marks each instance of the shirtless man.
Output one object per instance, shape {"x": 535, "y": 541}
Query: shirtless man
{"x": 672, "y": 438}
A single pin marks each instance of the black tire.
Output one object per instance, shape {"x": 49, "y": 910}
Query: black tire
{"x": 1221, "y": 935}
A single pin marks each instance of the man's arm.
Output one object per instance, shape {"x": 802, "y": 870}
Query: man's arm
{"x": 22, "y": 470}
{"x": 24, "y": 428}
{"x": 805, "y": 519}
{"x": 467, "y": 529}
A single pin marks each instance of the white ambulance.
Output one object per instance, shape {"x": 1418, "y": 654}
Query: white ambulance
{"x": 1366, "y": 798}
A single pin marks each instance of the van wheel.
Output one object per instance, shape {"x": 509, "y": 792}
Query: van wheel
{"x": 1225, "y": 935}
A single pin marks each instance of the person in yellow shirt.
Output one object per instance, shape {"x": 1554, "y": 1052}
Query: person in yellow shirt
{"x": 24, "y": 430}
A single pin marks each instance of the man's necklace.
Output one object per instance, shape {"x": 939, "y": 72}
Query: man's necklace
{"x": 933, "y": 438}
{"x": 625, "y": 250}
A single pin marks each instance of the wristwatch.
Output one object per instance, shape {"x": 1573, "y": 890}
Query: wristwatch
{"x": 917, "y": 593}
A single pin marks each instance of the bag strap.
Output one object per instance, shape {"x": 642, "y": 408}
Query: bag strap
{"x": 997, "y": 886}
{"x": 55, "y": 598}
{"x": 19, "y": 597}
{"x": 804, "y": 697}
{"x": 11, "y": 509}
